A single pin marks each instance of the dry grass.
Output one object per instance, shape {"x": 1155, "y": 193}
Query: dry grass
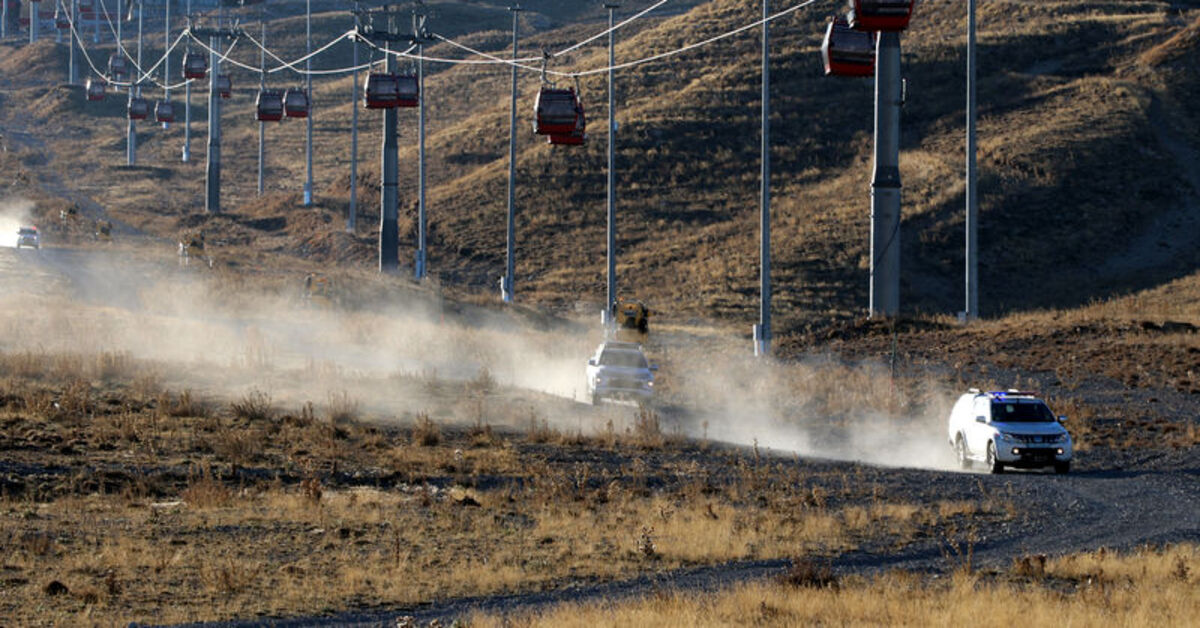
{"x": 1145, "y": 588}
{"x": 342, "y": 408}
{"x": 198, "y": 512}
{"x": 425, "y": 431}
{"x": 399, "y": 546}
{"x": 255, "y": 405}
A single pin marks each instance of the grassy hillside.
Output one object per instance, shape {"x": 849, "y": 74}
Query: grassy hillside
{"x": 1085, "y": 186}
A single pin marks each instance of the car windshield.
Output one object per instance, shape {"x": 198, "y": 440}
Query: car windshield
{"x": 1021, "y": 412}
{"x": 27, "y": 231}
{"x": 630, "y": 359}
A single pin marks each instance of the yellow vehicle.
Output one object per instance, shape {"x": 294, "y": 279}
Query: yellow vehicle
{"x": 68, "y": 217}
{"x": 191, "y": 246}
{"x": 633, "y": 319}
{"x": 318, "y": 291}
{"x": 104, "y": 231}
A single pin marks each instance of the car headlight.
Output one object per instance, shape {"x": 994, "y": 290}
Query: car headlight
{"x": 1001, "y": 436}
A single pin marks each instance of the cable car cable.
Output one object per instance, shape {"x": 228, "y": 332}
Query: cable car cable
{"x": 144, "y": 75}
{"x": 291, "y": 65}
{"x": 488, "y": 59}
{"x": 619, "y": 66}
{"x": 610, "y": 30}
{"x": 148, "y": 75}
{"x": 285, "y": 64}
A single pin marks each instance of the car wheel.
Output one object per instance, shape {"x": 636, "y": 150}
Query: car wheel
{"x": 960, "y": 449}
{"x": 993, "y": 463}
{"x": 1062, "y": 467}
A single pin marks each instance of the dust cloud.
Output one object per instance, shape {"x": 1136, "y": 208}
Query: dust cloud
{"x": 224, "y": 335}
{"x": 14, "y": 214}
{"x": 818, "y": 407}
{"x": 227, "y": 334}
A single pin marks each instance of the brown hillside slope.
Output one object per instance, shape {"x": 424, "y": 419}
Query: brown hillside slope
{"x": 1069, "y": 92}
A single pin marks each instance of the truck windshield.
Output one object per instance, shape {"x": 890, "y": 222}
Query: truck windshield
{"x": 1021, "y": 412}
{"x": 629, "y": 359}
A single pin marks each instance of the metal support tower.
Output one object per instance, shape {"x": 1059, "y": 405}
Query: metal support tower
{"x": 187, "y": 91}
{"x": 422, "y": 216}
{"x": 308, "y": 143}
{"x": 352, "y": 211}
{"x": 972, "y": 254}
{"x": 3, "y": 19}
{"x": 34, "y": 21}
{"x": 262, "y": 85}
{"x": 212, "y": 173}
{"x": 510, "y": 242}
{"x": 611, "y": 294}
{"x": 762, "y": 331}
{"x": 131, "y": 140}
{"x": 73, "y": 15}
{"x": 885, "y": 185}
{"x": 167, "y": 56}
{"x": 389, "y": 231}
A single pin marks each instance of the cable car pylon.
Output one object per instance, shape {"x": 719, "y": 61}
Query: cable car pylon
{"x": 610, "y": 303}
{"x": 510, "y": 240}
{"x": 419, "y": 37}
{"x": 845, "y": 54}
{"x": 264, "y": 106}
{"x": 389, "y": 231}
{"x": 212, "y": 176}
{"x": 138, "y": 107}
{"x": 167, "y": 66}
{"x": 889, "y": 17}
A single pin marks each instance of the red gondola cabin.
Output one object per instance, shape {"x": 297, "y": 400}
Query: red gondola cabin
{"x": 195, "y": 66}
{"x": 224, "y": 86}
{"x": 847, "y": 52}
{"x": 118, "y": 67}
{"x": 138, "y": 108}
{"x": 295, "y": 103}
{"x": 382, "y": 91}
{"x": 409, "y": 89}
{"x": 269, "y": 106}
{"x": 96, "y": 89}
{"x": 880, "y": 15}
{"x": 556, "y": 111}
{"x": 164, "y": 111}
{"x": 574, "y": 138}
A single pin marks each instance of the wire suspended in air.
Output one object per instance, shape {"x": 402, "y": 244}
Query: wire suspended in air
{"x": 524, "y": 63}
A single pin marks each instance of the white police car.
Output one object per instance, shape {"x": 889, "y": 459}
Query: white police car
{"x": 28, "y": 236}
{"x": 1008, "y": 429}
{"x": 619, "y": 370}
